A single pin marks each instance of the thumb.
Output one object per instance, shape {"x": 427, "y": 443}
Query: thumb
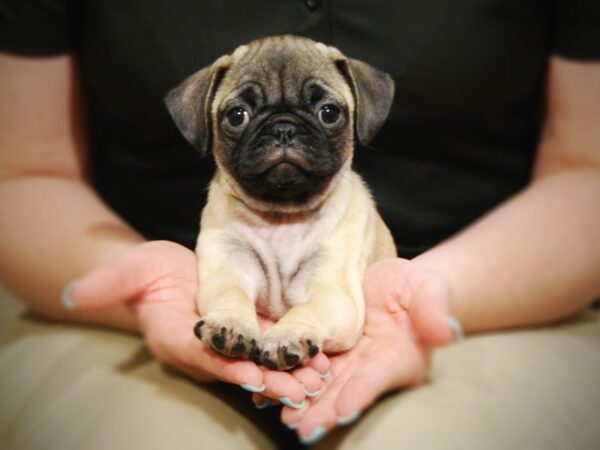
{"x": 422, "y": 293}
{"x": 428, "y": 309}
{"x": 110, "y": 285}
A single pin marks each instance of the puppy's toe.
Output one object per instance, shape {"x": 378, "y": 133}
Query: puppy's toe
{"x": 229, "y": 337}
{"x": 284, "y": 350}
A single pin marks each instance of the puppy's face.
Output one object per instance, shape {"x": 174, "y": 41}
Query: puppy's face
{"x": 283, "y": 122}
{"x": 280, "y": 115}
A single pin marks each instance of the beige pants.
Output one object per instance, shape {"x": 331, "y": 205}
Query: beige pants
{"x": 71, "y": 388}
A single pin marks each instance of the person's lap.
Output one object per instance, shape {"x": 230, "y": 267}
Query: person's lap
{"x": 535, "y": 389}
{"x": 68, "y": 387}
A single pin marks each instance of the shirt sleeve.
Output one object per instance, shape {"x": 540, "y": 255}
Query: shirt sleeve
{"x": 37, "y": 27}
{"x": 576, "y": 29}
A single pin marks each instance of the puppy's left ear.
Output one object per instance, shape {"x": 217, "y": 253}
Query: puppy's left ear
{"x": 190, "y": 103}
{"x": 373, "y": 92}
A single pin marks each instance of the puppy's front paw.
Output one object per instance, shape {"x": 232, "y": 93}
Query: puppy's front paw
{"x": 229, "y": 336}
{"x": 283, "y": 347}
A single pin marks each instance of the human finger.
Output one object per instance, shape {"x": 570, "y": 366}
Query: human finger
{"x": 110, "y": 285}
{"x": 174, "y": 342}
{"x": 310, "y": 380}
{"x": 321, "y": 364}
{"x": 429, "y": 314}
{"x": 262, "y": 401}
{"x": 319, "y": 417}
{"x": 283, "y": 387}
{"x": 369, "y": 381}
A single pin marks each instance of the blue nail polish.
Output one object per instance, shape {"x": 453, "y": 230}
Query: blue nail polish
{"x": 287, "y": 402}
{"x": 264, "y": 404}
{"x": 308, "y": 393}
{"x": 292, "y": 426}
{"x": 455, "y": 325}
{"x": 253, "y": 389}
{"x": 324, "y": 375}
{"x": 348, "y": 419}
{"x": 316, "y": 436}
{"x": 65, "y": 295}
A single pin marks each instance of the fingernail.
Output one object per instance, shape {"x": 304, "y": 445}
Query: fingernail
{"x": 308, "y": 393}
{"x": 65, "y": 295}
{"x": 287, "y": 402}
{"x": 324, "y": 375}
{"x": 253, "y": 389}
{"x": 458, "y": 330}
{"x": 316, "y": 436}
{"x": 348, "y": 419}
{"x": 264, "y": 404}
{"x": 292, "y": 426}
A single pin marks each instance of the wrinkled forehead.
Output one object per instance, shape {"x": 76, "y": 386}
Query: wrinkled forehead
{"x": 284, "y": 70}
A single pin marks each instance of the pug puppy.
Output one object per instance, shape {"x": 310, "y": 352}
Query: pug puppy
{"x": 289, "y": 228}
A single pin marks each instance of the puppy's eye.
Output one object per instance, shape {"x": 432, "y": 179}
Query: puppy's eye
{"x": 238, "y": 117}
{"x": 329, "y": 114}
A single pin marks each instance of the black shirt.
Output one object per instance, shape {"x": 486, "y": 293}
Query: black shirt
{"x": 461, "y": 136}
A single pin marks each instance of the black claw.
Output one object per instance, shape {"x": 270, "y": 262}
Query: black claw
{"x": 238, "y": 348}
{"x": 223, "y": 330}
{"x": 312, "y": 348}
{"x": 269, "y": 364}
{"x": 291, "y": 359}
{"x": 218, "y": 341}
{"x": 254, "y": 354}
{"x": 198, "y": 329}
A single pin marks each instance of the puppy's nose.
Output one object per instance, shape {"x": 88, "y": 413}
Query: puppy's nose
{"x": 284, "y": 132}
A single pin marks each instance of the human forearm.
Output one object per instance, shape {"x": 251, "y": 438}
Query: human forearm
{"x": 533, "y": 260}
{"x": 53, "y": 230}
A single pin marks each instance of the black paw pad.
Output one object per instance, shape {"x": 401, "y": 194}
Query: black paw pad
{"x": 254, "y": 353}
{"x": 239, "y": 346}
{"x": 218, "y": 340}
{"x": 268, "y": 363}
{"x": 312, "y": 348}
{"x": 291, "y": 359}
{"x": 198, "y": 329}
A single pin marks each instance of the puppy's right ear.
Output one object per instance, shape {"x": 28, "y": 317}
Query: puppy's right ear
{"x": 190, "y": 103}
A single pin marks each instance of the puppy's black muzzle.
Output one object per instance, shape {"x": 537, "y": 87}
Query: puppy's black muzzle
{"x": 286, "y": 159}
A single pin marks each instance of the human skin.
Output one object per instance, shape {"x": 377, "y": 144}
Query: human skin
{"x": 532, "y": 260}
{"x": 55, "y": 229}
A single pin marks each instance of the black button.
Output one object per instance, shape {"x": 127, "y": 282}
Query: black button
{"x": 312, "y": 4}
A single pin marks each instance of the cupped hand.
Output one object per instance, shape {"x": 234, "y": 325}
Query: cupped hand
{"x": 159, "y": 280}
{"x": 406, "y": 315}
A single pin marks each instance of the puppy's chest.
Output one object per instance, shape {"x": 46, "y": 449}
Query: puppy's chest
{"x": 286, "y": 261}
